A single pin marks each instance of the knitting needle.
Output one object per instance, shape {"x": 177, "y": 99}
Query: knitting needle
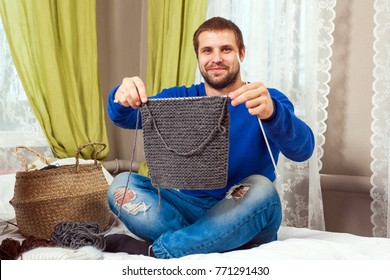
{"x": 261, "y": 124}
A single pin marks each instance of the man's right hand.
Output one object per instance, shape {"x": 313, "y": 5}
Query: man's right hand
{"x": 131, "y": 93}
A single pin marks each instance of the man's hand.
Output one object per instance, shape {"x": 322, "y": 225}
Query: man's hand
{"x": 256, "y": 98}
{"x": 131, "y": 93}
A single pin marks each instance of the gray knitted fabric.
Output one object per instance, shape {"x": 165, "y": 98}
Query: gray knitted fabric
{"x": 186, "y": 141}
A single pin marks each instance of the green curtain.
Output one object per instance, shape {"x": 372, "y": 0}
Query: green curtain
{"x": 54, "y": 47}
{"x": 171, "y": 56}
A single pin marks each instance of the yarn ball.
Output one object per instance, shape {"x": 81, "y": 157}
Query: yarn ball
{"x": 78, "y": 234}
{"x": 9, "y": 249}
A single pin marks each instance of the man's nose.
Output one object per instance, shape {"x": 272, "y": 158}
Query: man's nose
{"x": 217, "y": 57}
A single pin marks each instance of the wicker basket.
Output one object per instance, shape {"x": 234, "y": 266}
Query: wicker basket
{"x": 44, "y": 198}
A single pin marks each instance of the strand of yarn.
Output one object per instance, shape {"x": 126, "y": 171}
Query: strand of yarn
{"x": 131, "y": 164}
{"x": 269, "y": 149}
{"x": 32, "y": 242}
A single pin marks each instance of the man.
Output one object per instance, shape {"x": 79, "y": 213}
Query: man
{"x": 236, "y": 216}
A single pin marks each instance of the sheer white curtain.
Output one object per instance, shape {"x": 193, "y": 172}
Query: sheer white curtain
{"x": 288, "y": 46}
{"x": 18, "y": 125}
{"x": 380, "y": 139}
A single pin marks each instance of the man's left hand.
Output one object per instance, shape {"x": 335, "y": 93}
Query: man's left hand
{"x": 256, "y": 98}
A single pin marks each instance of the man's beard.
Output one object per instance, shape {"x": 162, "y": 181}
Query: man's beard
{"x": 220, "y": 82}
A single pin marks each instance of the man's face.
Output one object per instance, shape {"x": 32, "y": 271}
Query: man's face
{"x": 217, "y": 58}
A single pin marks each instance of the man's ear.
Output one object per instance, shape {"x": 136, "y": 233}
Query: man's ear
{"x": 242, "y": 54}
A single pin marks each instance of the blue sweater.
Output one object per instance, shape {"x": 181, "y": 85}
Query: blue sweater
{"x": 248, "y": 153}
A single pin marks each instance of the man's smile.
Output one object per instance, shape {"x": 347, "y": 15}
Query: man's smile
{"x": 216, "y": 69}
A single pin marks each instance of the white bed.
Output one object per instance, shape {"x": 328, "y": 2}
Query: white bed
{"x": 292, "y": 244}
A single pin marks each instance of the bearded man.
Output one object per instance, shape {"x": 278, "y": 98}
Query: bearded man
{"x": 247, "y": 211}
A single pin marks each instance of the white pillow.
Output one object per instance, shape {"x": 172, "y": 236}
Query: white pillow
{"x": 7, "y": 184}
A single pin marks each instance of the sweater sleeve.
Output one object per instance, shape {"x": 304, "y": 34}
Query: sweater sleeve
{"x": 293, "y": 136}
{"x": 124, "y": 117}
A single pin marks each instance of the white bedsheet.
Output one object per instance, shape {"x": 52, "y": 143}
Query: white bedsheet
{"x": 292, "y": 244}
{"x": 300, "y": 244}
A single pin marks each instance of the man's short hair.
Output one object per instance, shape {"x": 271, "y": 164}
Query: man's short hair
{"x": 218, "y": 24}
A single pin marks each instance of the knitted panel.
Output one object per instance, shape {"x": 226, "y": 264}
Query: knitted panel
{"x": 186, "y": 141}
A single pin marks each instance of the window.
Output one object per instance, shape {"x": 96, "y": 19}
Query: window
{"x": 18, "y": 124}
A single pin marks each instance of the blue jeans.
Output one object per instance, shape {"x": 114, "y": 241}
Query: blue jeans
{"x": 179, "y": 224}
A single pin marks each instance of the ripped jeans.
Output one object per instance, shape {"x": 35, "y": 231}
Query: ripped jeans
{"x": 179, "y": 224}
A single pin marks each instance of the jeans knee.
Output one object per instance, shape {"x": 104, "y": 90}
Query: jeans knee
{"x": 120, "y": 180}
{"x": 126, "y": 191}
{"x": 258, "y": 180}
{"x": 127, "y": 179}
{"x": 262, "y": 188}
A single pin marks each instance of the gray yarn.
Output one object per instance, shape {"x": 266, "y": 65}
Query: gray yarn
{"x": 186, "y": 141}
{"x": 78, "y": 234}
